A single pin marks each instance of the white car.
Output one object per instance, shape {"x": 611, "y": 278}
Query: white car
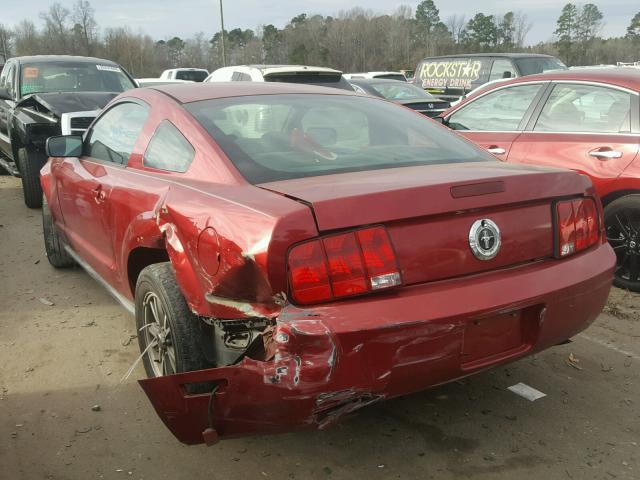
{"x": 321, "y": 76}
{"x": 154, "y": 82}
{"x": 382, "y": 75}
{"x": 191, "y": 74}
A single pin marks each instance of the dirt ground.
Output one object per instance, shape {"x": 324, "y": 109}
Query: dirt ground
{"x": 65, "y": 345}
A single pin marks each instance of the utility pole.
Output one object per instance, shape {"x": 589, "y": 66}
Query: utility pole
{"x": 224, "y": 56}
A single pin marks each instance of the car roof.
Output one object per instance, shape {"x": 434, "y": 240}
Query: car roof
{"x": 626, "y": 77}
{"x": 268, "y": 69}
{"x": 62, "y": 58}
{"x": 187, "y": 68}
{"x": 195, "y": 92}
{"x": 377, "y": 81}
{"x": 507, "y": 55}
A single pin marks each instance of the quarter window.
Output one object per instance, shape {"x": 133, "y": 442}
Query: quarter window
{"x": 502, "y": 69}
{"x": 585, "y": 108}
{"x": 168, "y": 150}
{"x": 502, "y": 110}
{"x": 240, "y": 77}
{"x": 115, "y": 133}
{"x": 9, "y": 82}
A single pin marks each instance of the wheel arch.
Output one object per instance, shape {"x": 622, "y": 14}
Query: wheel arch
{"x": 141, "y": 257}
{"x": 607, "y": 199}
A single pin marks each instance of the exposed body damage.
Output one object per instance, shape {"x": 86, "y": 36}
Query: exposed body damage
{"x": 329, "y": 361}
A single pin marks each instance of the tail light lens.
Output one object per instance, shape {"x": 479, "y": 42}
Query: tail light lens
{"x": 578, "y": 225}
{"x": 343, "y": 265}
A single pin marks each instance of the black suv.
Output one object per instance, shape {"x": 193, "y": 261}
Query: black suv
{"x": 35, "y": 92}
{"x": 453, "y": 76}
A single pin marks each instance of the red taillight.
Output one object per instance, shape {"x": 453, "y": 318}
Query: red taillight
{"x": 578, "y": 225}
{"x": 308, "y": 267}
{"x": 343, "y": 265}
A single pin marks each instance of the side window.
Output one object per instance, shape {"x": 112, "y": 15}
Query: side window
{"x": 114, "y": 135}
{"x": 500, "y": 111}
{"x": 502, "y": 69}
{"x": 585, "y": 108}
{"x": 168, "y": 150}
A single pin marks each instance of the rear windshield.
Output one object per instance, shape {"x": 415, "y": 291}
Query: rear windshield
{"x": 533, "y": 65}
{"x": 456, "y": 73}
{"x": 43, "y": 77}
{"x": 322, "y": 79}
{"x": 279, "y": 137}
{"x": 401, "y": 91}
{"x": 191, "y": 75}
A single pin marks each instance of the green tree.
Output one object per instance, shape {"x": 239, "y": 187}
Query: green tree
{"x": 427, "y": 16}
{"x": 633, "y": 30}
{"x": 566, "y": 29}
{"x": 507, "y": 32}
{"x": 481, "y": 32}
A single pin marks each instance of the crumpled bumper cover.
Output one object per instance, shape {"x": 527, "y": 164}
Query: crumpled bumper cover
{"x": 332, "y": 360}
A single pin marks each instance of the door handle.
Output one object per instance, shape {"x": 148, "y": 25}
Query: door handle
{"x": 605, "y": 154}
{"x": 494, "y": 149}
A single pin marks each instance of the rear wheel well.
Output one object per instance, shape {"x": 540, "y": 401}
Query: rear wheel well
{"x": 139, "y": 259}
{"x": 606, "y": 200}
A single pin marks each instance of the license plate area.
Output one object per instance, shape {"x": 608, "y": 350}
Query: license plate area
{"x": 495, "y": 338}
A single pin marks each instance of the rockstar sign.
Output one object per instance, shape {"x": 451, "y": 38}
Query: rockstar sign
{"x": 449, "y": 74}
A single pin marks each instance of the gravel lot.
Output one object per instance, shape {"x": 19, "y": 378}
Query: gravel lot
{"x": 65, "y": 345}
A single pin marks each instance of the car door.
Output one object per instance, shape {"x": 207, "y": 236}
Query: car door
{"x": 494, "y": 120}
{"x": 592, "y": 128}
{"x": 7, "y": 82}
{"x": 85, "y": 184}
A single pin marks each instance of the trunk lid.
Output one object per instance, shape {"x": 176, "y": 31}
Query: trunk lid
{"x": 429, "y": 211}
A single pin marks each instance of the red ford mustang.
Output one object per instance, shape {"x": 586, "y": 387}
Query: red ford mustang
{"x": 585, "y": 119}
{"x": 294, "y": 253}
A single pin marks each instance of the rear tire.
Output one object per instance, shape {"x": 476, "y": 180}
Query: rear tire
{"x": 53, "y": 245}
{"x": 29, "y": 163}
{"x": 163, "y": 317}
{"x": 622, "y": 223}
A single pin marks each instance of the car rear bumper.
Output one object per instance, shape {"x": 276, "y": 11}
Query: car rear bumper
{"x": 334, "y": 359}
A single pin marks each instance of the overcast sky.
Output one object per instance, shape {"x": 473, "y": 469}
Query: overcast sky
{"x": 167, "y": 18}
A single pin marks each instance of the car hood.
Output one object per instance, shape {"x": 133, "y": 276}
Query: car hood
{"x": 64, "y": 102}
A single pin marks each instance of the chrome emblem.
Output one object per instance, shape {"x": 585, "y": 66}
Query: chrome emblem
{"x": 429, "y": 105}
{"x": 484, "y": 239}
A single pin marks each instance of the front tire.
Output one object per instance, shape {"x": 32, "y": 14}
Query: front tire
{"x": 53, "y": 245}
{"x": 30, "y": 162}
{"x": 622, "y": 223}
{"x": 168, "y": 331}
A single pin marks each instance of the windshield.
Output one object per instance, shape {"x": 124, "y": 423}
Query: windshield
{"x": 401, "y": 91}
{"x": 533, "y": 65}
{"x": 192, "y": 75}
{"x": 44, "y": 77}
{"x": 279, "y": 137}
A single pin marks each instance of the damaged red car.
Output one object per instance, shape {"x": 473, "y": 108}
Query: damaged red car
{"x": 294, "y": 253}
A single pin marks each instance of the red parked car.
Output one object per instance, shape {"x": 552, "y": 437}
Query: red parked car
{"x": 294, "y": 253}
{"x": 585, "y": 119}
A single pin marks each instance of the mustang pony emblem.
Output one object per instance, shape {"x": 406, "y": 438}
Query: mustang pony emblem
{"x": 484, "y": 239}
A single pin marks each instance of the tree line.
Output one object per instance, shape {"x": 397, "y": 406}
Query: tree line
{"x": 353, "y": 40}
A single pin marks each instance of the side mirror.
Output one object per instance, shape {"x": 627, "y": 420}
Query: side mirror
{"x": 64, "y": 146}
{"x": 5, "y": 95}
